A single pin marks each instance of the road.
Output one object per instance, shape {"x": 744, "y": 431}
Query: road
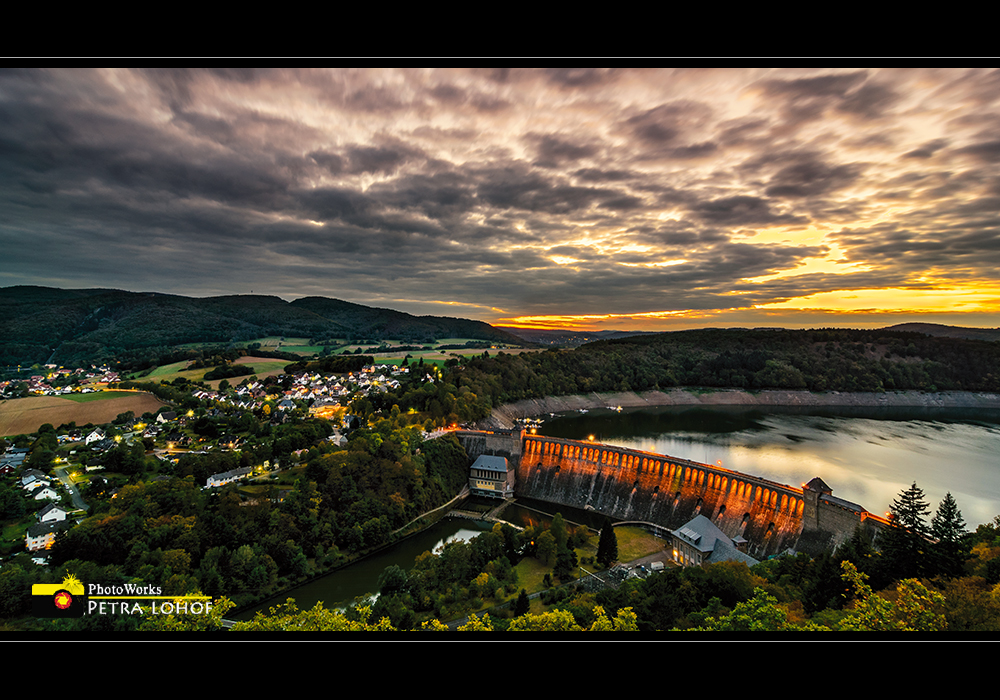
{"x": 62, "y": 473}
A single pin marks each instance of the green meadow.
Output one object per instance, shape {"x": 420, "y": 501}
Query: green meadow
{"x": 97, "y": 396}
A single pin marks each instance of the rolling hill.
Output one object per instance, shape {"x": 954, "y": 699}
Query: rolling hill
{"x": 67, "y": 326}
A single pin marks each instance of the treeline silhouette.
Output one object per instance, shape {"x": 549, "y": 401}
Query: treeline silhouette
{"x": 814, "y": 360}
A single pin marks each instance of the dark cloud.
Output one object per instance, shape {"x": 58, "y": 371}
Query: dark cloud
{"x": 379, "y": 159}
{"x": 870, "y": 101}
{"x": 623, "y": 203}
{"x": 564, "y": 190}
{"x": 599, "y": 175}
{"x": 668, "y": 123}
{"x": 449, "y": 94}
{"x": 986, "y": 151}
{"x": 553, "y": 151}
{"x": 927, "y": 150}
{"x": 806, "y": 99}
{"x": 815, "y": 87}
{"x": 809, "y": 178}
{"x": 743, "y": 131}
{"x": 740, "y": 211}
{"x": 329, "y": 161}
{"x": 580, "y": 77}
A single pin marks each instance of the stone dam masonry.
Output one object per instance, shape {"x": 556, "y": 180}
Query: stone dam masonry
{"x": 643, "y": 486}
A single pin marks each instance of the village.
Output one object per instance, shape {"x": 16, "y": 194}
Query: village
{"x": 229, "y": 419}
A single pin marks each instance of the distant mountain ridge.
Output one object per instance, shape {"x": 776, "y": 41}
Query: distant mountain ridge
{"x": 566, "y": 337}
{"x": 62, "y": 326}
{"x": 942, "y": 331}
{"x": 573, "y": 338}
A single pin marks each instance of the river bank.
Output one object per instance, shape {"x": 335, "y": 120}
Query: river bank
{"x": 505, "y": 417}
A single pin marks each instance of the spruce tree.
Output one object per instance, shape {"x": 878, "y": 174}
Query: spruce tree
{"x": 905, "y": 545}
{"x": 607, "y": 546}
{"x": 522, "y": 605}
{"x": 948, "y": 529}
{"x": 559, "y": 530}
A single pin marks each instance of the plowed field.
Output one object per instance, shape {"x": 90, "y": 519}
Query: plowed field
{"x": 19, "y": 416}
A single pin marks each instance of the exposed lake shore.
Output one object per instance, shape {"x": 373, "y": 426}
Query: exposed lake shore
{"x": 506, "y": 415}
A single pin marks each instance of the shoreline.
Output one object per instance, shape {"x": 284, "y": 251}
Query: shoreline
{"x": 504, "y": 417}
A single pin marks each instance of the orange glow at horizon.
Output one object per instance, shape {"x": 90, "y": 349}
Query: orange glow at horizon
{"x": 972, "y": 299}
{"x": 586, "y": 321}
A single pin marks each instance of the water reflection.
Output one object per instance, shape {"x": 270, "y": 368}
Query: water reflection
{"x": 340, "y": 588}
{"x": 866, "y": 455}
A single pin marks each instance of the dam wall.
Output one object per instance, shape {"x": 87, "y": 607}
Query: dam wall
{"x": 634, "y": 485}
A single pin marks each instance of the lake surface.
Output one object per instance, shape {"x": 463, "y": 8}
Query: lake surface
{"x": 867, "y": 456}
{"x": 340, "y": 588}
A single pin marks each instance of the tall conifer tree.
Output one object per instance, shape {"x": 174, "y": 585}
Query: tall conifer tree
{"x": 948, "y": 529}
{"x": 607, "y": 546}
{"x": 905, "y": 545}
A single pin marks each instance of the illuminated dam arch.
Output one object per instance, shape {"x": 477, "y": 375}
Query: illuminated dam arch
{"x": 636, "y": 485}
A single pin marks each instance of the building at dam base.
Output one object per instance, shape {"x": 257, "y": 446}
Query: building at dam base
{"x": 641, "y": 486}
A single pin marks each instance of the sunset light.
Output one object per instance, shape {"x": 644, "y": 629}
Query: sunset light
{"x": 632, "y": 199}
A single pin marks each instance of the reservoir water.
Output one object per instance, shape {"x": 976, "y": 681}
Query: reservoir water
{"x": 866, "y": 456}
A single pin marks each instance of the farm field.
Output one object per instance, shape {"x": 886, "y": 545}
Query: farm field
{"x": 438, "y": 357}
{"x": 435, "y": 355}
{"x": 23, "y": 416}
{"x": 299, "y": 346}
{"x": 97, "y": 396}
{"x": 263, "y": 367}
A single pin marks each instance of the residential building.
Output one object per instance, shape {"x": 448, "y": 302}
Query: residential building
{"x": 43, "y": 535}
{"x": 51, "y": 514}
{"x": 229, "y": 477}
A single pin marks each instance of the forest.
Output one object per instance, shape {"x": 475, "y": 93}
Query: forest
{"x": 159, "y": 525}
{"x": 91, "y": 326}
{"x": 812, "y": 360}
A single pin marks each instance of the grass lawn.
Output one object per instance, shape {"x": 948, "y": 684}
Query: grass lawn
{"x": 302, "y": 349}
{"x": 15, "y": 532}
{"x": 97, "y": 396}
{"x": 530, "y": 572}
{"x": 256, "y": 490}
{"x": 455, "y": 341}
{"x": 635, "y": 543}
{"x": 164, "y": 370}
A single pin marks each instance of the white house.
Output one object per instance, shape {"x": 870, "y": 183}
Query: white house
{"x": 44, "y": 492}
{"x": 229, "y": 477}
{"x": 30, "y": 478}
{"x": 43, "y": 535}
{"x": 51, "y": 514}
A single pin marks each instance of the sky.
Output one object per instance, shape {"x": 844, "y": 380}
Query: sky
{"x": 627, "y": 199}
